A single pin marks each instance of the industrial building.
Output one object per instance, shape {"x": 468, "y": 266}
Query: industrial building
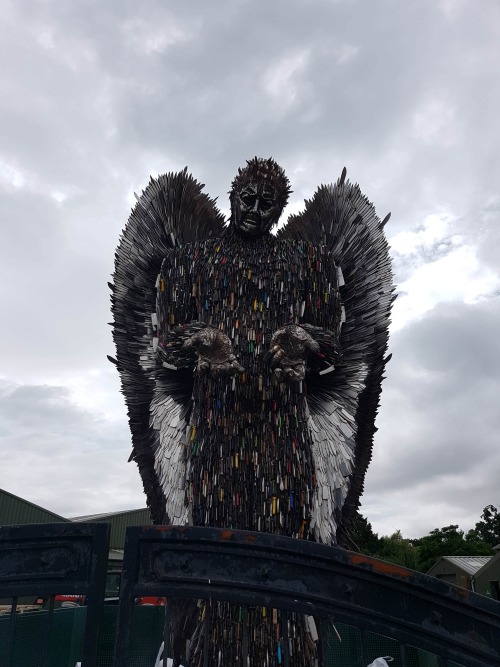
{"x": 477, "y": 573}
{"x": 18, "y": 511}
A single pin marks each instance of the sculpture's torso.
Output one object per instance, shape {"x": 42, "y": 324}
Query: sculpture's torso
{"x": 251, "y": 463}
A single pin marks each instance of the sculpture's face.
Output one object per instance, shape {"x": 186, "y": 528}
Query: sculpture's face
{"x": 255, "y": 208}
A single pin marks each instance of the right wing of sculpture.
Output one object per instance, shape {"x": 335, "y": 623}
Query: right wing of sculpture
{"x": 344, "y": 398}
{"x": 171, "y": 211}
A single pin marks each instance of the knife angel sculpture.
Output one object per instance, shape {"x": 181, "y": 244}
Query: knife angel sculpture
{"x": 254, "y": 359}
{"x": 251, "y": 363}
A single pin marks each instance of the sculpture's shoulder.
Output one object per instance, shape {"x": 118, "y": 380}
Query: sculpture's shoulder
{"x": 314, "y": 257}
{"x": 233, "y": 250}
{"x": 194, "y": 249}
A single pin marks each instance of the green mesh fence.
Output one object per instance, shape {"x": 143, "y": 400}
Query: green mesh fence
{"x": 35, "y": 637}
{"x": 145, "y": 638}
{"x": 351, "y": 647}
{"x": 65, "y": 635}
{"x": 346, "y": 646}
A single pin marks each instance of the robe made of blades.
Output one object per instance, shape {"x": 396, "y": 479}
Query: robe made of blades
{"x": 249, "y": 442}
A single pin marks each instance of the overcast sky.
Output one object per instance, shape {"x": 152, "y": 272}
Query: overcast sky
{"x": 96, "y": 96}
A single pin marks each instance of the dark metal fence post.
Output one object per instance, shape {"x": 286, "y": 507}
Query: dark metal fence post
{"x": 127, "y": 595}
{"x": 206, "y": 634}
{"x": 46, "y": 645}
{"x": 49, "y": 559}
{"x": 12, "y": 632}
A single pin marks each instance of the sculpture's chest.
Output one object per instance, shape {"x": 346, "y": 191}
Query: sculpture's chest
{"x": 248, "y": 289}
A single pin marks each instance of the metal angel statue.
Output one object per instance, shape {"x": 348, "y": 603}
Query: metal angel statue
{"x": 251, "y": 363}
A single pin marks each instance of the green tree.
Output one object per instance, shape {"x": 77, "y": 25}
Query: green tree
{"x": 362, "y": 537}
{"x": 488, "y": 530}
{"x": 397, "y": 549}
{"x": 393, "y": 548}
{"x": 448, "y": 541}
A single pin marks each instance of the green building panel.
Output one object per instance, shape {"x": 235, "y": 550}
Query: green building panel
{"x": 119, "y": 522}
{"x": 17, "y": 511}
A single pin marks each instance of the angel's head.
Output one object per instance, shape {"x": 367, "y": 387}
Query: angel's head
{"x": 259, "y": 194}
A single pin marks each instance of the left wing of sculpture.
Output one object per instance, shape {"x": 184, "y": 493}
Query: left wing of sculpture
{"x": 344, "y": 399}
{"x": 172, "y": 211}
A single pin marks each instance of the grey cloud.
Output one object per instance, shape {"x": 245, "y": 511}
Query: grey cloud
{"x": 55, "y": 262}
{"x": 439, "y": 420}
{"x": 103, "y": 94}
{"x": 203, "y": 96}
{"x": 61, "y": 457}
{"x": 484, "y": 228}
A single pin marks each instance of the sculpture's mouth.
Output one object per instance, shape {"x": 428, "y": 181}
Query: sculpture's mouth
{"x": 252, "y": 221}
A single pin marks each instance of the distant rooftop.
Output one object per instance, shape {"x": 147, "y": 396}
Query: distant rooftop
{"x": 119, "y": 522}
{"x": 98, "y": 517}
{"x": 470, "y": 564}
{"x": 16, "y": 510}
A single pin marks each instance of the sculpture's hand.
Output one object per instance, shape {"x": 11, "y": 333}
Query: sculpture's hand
{"x": 288, "y": 352}
{"x": 215, "y": 353}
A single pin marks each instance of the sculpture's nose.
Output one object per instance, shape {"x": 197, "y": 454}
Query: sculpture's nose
{"x": 256, "y": 205}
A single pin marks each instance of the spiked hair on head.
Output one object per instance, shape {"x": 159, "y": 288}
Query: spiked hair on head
{"x": 259, "y": 169}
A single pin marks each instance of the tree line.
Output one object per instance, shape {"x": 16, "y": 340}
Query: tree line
{"x": 421, "y": 553}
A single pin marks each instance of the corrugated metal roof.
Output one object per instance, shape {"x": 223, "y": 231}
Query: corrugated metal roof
{"x": 116, "y": 554}
{"x": 119, "y": 522}
{"x": 15, "y": 510}
{"x": 469, "y": 564}
{"x": 92, "y": 518}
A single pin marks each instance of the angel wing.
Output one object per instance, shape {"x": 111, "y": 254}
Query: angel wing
{"x": 171, "y": 211}
{"x": 343, "y": 404}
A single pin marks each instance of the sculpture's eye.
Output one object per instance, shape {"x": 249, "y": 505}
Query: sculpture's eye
{"x": 248, "y": 199}
{"x": 268, "y": 199}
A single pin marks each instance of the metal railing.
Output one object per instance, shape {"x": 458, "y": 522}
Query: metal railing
{"x": 363, "y": 597}
{"x": 248, "y": 569}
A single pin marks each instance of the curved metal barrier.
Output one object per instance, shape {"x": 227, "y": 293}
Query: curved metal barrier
{"x": 248, "y": 568}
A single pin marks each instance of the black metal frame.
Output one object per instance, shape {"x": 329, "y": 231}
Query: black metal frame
{"x": 50, "y": 559}
{"x": 248, "y": 568}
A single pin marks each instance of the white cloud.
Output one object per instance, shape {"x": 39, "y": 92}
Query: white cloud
{"x": 280, "y": 81}
{"x": 436, "y": 123}
{"x": 435, "y": 228}
{"x": 345, "y": 53}
{"x": 152, "y": 39}
{"x": 436, "y": 264}
{"x": 451, "y": 8}
{"x": 96, "y": 391}
{"x": 458, "y": 276}
{"x": 46, "y": 39}
{"x": 14, "y": 177}
{"x": 10, "y": 175}
{"x": 59, "y": 197}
